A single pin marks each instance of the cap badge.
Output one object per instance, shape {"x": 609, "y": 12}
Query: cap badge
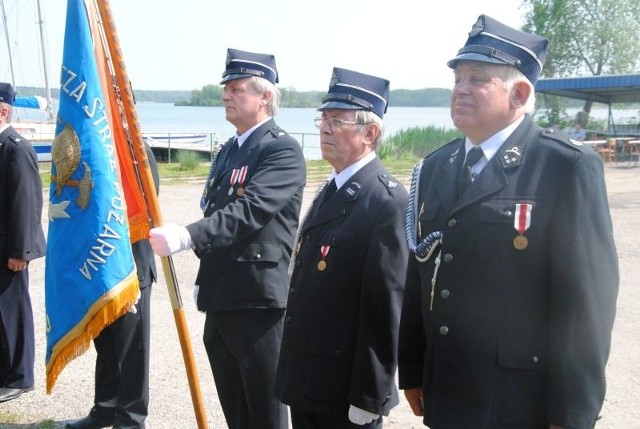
{"x": 229, "y": 59}
{"x": 477, "y": 28}
{"x": 334, "y": 79}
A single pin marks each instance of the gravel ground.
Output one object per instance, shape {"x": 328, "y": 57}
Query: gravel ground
{"x": 171, "y": 406}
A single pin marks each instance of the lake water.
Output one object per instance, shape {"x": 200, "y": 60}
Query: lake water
{"x": 167, "y": 118}
{"x": 163, "y": 117}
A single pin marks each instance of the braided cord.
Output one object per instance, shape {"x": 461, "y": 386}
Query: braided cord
{"x": 425, "y": 248}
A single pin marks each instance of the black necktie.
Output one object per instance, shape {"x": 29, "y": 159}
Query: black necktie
{"x": 465, "y": 175}
{"x": 330, "y": 189}
{"x": 233, "y": 150}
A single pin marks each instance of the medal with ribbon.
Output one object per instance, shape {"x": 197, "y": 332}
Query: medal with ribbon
{"x": 238, "y": 175}
{"x": 324, "y": 251}
{"x": 521, "y": 222}
{"x": 241, "y": 178}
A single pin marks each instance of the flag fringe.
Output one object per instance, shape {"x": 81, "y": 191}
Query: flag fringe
{"x": 102, "y": 313}
{"x": 138, "y": 227}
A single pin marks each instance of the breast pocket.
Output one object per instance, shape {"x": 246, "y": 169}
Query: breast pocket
{"x": 498, "y": 228}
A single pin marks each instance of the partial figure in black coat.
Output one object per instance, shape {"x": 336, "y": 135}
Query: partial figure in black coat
{"x": 339, "y": 351}
{"x": 121, "y": 397}
{"x": 513, "y": 279}
{"x": 251, "y": 206}
{"x": 21, "y": 241}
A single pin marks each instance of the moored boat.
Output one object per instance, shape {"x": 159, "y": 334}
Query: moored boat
{"x": 182, "y": 138}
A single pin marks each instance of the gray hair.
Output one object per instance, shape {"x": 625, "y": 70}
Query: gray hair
{"x": 510, "y": 76}
{"x": 9, "y": 108}
{"x": 368, "y": 117}
{"x": 261, "y": 85}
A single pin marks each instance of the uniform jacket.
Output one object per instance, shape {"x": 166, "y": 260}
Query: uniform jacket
{"x": 340, "y": 338}
{"x": 515, "y": 338}
{"x": 142, "y": 252}
{"x": 246, "y": 236}
{"x": 21, "y": 234}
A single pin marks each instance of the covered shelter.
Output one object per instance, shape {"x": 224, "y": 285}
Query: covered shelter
{"x": 606, "y": 89}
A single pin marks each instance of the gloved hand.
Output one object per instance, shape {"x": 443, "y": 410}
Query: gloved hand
{"x": 133, "y": 309}
{"x": 360, "y": 416}
{"x": 196, "y": 290}
{"x": 169, "y": 238}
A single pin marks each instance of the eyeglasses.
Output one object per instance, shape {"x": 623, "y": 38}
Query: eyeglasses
{"x": 335, "y": 123}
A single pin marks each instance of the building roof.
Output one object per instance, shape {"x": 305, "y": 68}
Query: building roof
{"x": 601, "y": 89}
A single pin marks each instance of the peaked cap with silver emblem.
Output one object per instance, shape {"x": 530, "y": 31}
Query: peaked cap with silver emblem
{"x": 494, "y": 42}
{"x": 352, "y": 90}
{"x": 241, "y": 64}
{"x": 7, "y": 93}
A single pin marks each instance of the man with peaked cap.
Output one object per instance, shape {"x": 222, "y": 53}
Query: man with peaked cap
{"x": 339, "y": 349}
{"x": 251, "y": 206}
{"x": 513, "y": 275}
{"x": 21, "y": 241}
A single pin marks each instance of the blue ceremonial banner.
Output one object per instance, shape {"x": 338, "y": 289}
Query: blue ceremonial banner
{"x": 90, "y": 277}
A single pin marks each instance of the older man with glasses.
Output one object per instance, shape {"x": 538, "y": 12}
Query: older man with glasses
{"x": 338, "y": 356}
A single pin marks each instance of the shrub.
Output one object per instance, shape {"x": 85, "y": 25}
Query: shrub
{"x": 188, "y": 160}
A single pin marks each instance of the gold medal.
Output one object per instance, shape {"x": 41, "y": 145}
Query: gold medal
{"x": 240, "y": 191}
{"x": 520, "y": 242}
{"x": 322, "y": 265}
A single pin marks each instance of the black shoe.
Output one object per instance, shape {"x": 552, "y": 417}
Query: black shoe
{"x": 89, "y": 422}
{"x": 9, "y": 393}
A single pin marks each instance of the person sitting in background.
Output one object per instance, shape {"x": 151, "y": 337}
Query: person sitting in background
{"x": 578, "y": 133}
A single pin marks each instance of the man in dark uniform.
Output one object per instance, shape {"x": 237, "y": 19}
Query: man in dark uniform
{"x": 121, "y": 397}
{"x": 251, "y": 207}
{"x": 21, "y": 240}
{"x": 339, "y": 351}
{"x": 512, "y": 283}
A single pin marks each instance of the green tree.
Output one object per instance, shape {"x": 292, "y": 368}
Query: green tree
{"x": 587, "y": 37}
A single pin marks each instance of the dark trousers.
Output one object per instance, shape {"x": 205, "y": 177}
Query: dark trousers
{"x": 17, "y": 341}
{"x": 305, "y": 420}
{"x": 122, "y": 367}
{"x": 243, "y": 348}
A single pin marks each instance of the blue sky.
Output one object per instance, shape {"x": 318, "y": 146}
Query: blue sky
{"x": 182, "y": 44}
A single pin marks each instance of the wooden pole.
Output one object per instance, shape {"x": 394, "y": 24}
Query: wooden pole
{"x": 148, "y": 188}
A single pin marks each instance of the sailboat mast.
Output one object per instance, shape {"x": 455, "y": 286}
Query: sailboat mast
{"x": 45, "y": 66}
{"x": 6, "y": 32}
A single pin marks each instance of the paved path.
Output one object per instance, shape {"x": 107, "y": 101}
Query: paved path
{"x": 171, "y": 406}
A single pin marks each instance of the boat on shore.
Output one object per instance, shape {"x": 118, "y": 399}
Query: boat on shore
{"x": 180, "y": 138}
{"x": 33, "y": 116}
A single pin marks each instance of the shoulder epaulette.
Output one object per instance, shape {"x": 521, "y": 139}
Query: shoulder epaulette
{"x": 388, "y": 181}
{"x": 551, "y": 134}
{"x": 15, "y": 137}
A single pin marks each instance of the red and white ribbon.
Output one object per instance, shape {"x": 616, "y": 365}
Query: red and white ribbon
{"x": 522, "y": 219}
{"x": 324, "y": 251}
{"x": 242, "y": 175}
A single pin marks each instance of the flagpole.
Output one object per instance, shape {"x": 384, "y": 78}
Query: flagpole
{"x": 148, "y": 187}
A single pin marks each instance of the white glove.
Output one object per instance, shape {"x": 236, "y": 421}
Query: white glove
{"x": 196, "y": 289}
{"x": 169, "y": 238}
{"x": 133, "y": 309}
{"x": 360, "y": 416}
